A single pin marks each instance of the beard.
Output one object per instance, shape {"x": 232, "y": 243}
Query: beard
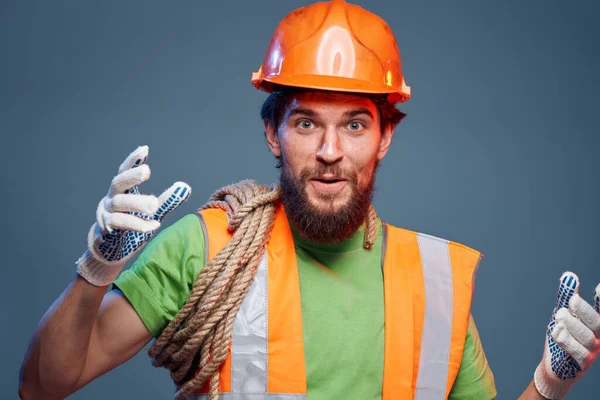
{"x": 325, "y": 224}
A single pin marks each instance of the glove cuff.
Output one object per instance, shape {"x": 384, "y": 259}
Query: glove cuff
{"x": 548, "y": 386}
{"x": 96, "y": 272}
{"x": 93, "y": 267}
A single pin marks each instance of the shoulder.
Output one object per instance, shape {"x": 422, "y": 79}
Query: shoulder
{"x": 184, "y": 229}
{"x": 424, "y": 239}
{"x": 174, "y": 243}
{"x": 188, "y": 224}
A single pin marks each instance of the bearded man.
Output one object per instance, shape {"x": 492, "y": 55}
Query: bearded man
{"x": 296, "y": 290}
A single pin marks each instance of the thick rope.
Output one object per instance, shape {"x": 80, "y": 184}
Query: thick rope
{"x": 201, "y": 332}
{"x": 370, "y": 228}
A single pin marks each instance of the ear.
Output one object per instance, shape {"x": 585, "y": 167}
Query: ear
{"x": 386, "y": 140}
{"x": 272, "y": 139}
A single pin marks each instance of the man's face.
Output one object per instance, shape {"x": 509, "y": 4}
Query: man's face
{"x": 330, "y": 145}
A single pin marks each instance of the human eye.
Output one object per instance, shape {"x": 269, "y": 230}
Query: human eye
{"x": 305, "y": 124}
{"x": 356, "y": 126}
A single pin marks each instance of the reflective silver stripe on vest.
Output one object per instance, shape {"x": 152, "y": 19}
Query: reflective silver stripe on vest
{"x": 250, "y": 335}
{"x": 249, "y": 343}
{"x": 250, "y": 396}
{"x": 437, "y": 325}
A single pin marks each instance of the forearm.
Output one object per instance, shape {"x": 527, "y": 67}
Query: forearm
{"x": 58, "y": 348}
{"x": 531, "y": 393}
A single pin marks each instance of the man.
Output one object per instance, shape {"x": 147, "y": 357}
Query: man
{"x": 296, "y": 290}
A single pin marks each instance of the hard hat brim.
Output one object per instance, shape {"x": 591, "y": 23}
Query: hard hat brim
{"x": 332, "y": 83}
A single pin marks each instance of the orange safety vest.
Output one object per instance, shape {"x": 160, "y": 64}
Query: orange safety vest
{"x": 428, "y": 287}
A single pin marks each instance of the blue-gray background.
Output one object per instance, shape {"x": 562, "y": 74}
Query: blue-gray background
{"x": 497, "y": 152}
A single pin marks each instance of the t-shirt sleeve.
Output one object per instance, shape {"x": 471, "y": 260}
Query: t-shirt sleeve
{"x": 160, "y": 280}
{"x": 475, "y": 379}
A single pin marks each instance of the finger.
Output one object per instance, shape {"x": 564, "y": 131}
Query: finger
{"x": 128, "y": 222}
{"x": 100, "y": 211}
{"x": 597, "y": 299}
{"x": 567, "y": 342}
{"x": 140, "y": 203}
{"x": 172, "y": 198}
{"x": 569, "y": 285}
{"x": 129, "y": 179}
{"x": 586, "y": 313}
{"x": 577, "y": 329}
{"x": 135, "y": 159}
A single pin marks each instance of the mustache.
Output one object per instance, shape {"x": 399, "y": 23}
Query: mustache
{"x": 348, "y": 174}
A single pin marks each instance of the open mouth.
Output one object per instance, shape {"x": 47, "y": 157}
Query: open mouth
{"x": 332, "y": 180}
{"x": 327, "y": 184}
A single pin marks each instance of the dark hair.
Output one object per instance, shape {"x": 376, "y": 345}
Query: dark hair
{"x": 274, "y": 106}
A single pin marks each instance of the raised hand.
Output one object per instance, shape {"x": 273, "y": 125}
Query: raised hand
{"x": 126, "y": 220}
{"x": 572, "y": 340}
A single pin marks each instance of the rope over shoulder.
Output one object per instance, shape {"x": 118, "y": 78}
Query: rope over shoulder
{"x": 195, "y": 343}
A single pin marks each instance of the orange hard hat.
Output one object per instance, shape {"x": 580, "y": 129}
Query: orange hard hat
{"x": 334, "y": 46}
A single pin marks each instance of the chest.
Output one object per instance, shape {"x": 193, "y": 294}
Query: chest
{"x": 342, "y": 304}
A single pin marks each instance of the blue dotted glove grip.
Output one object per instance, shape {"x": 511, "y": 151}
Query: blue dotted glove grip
{"x": 563, "y": 365}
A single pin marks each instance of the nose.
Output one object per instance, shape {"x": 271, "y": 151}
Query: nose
{"x": 329, "y": 150}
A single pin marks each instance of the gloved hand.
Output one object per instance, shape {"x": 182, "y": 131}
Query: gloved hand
{"x": 572, "y": 340}
{"x": 126, "y": 220}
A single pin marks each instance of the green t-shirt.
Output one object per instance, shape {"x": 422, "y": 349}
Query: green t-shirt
{"x": 342, "y": 310}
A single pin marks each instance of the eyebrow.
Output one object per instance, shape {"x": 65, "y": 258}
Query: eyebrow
{"x": 358, "y": 111}
{"x": 303, "y": 111}
{"x": 313, "y": 114}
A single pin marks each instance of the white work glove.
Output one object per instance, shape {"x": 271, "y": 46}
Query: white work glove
{"x": 126, "y": 220}
{"x": 572, "y": 340}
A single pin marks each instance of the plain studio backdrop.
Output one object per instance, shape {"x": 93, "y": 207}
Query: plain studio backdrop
{"x": 498, "y": 150}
